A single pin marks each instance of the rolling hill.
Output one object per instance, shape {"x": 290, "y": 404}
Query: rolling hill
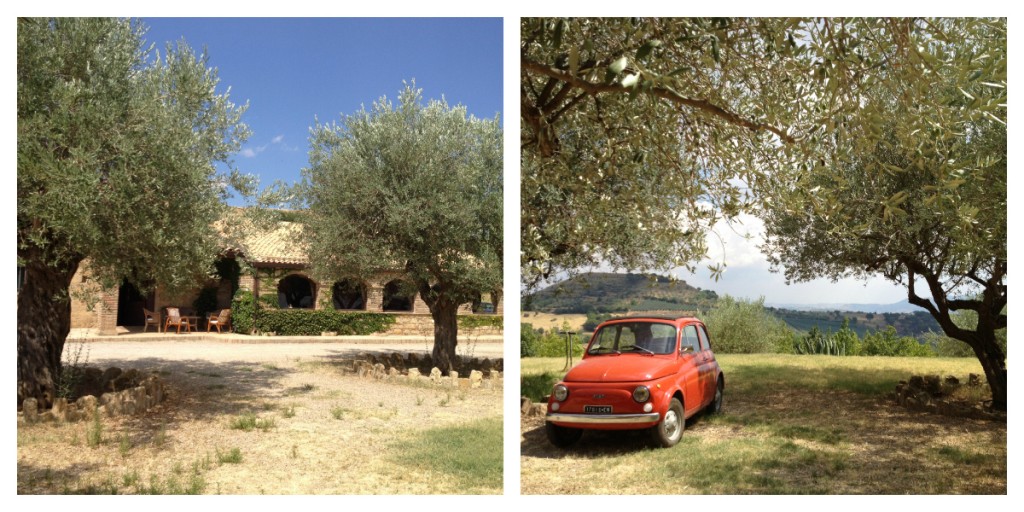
{"x": 618, "y": 293}
{"x": 652, "y": 294}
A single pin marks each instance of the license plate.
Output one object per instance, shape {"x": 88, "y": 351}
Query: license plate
{"x": 597, "y": 409}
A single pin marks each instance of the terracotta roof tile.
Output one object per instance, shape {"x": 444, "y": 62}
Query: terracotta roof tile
{"x": 277, "y": 246}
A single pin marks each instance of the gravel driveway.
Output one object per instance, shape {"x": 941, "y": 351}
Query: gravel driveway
{"x": 216, "y": 352}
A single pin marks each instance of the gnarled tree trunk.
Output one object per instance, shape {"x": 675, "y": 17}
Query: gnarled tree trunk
{"x": 994, "y": 363}
{"x": 446, "y": 331}
{"x": 44, "y": 320}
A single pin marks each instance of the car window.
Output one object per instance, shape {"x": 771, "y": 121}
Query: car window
{"x": 690, "y": 338}
{"x": 645, "y": 337}
{"x": 663, "y": 338}
{"x": 704, "y": 343}
{"x": 604, "y": 341}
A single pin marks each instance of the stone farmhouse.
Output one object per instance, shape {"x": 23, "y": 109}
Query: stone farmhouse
{"x": 280, "y": 276}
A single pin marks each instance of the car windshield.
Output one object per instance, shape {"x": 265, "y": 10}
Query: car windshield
{"x": 638, "y": 337}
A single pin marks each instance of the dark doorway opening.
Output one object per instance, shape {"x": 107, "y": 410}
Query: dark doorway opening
{"x": 397, "y": 297}
{"x": 349, "y": 294}
{"x": 130, "y": 302}
{"x": 295, "y": 292}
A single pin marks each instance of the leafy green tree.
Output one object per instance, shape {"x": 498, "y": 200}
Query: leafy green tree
{"x": 847, "y": 338}
{"x": 415, "y": 188}
{"x": 116, "y": 153}
{"x": 639, "y": 134}
{"x": 888, "y": 343}
{"x": 920, "y": 196}
{"x": 739, "y": 326}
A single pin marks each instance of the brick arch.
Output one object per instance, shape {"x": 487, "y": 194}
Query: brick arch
{"x": 350, "y": 294}
{"x": 296, "y": 291}
{"x": 395, "y": 297}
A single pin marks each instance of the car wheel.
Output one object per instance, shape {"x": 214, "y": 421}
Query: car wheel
{"x": 716, "y": 404}
{"x": 670, "y": 430}
{"x": 562, "y": 437}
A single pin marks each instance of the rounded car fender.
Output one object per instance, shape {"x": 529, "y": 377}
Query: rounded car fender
{"x": 661, "y": 395}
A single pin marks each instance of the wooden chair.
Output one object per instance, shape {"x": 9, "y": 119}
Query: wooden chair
{"x": 174, "y": 318}
{"x": 151, "y": 319}
{"x": 222, "y": 319}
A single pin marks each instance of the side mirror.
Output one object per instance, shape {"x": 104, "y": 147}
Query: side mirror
{"x": 686, "y": 349}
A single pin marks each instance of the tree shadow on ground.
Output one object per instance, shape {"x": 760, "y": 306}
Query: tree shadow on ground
{"x": 197, "y": 389}
{"x": 595, "y": 444}
{"x": 832, "y": 441}
{"x": 33, "y": 479}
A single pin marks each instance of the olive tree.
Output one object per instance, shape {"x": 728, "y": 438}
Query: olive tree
{"x": 640, "y": 134}
{"x": 919, "y": 195}
{"x": 116, "y": 152}
{"x": 414, "y": 188}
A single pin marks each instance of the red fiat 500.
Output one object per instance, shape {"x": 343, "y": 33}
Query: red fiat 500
{"x": 638, "y": 372}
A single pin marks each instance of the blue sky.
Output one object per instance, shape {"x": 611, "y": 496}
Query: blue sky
{"x": 294, "y": 70}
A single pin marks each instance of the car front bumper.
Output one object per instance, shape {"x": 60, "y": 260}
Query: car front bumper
{"x": 603, "y": 419}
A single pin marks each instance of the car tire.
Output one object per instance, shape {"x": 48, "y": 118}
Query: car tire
{"x": 715, "y": 407}
{"x": 562, "y": 437}
{"x": 670, "y": 430}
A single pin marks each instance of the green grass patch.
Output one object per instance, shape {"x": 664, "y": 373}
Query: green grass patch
{"x": 250, "y": 421}
{"x": 960, "y": 456}
{"x": 537, "y": 386}
{"x": 471, "y": 452}
{"x": 232, "y": 456}
{"x": 746, "y": 466}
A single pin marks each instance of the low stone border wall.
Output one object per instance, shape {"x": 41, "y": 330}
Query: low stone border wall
{"x": 929, "y": 393}
{"x": 424, "y": 363}
{"x": 127, "y": 402}
{"x": 475, "y": 378}
{"x": 528, "y": 408}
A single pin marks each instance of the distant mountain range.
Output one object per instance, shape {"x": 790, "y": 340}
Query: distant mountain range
{"x": 604, "y": 292}
{"x": 896, "y": 307}
{"x": 652, "y": 294}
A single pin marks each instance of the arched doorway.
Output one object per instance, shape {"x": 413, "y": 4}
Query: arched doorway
{"x": 349, "y": 294}
{"x": 296, "y": 291}
{"x": 397, "y": 296}
{"x": 130, "y": 302}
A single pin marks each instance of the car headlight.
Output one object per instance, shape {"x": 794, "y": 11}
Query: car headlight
{"x": 641, "y": 394}
{"x": 561, "y": 392}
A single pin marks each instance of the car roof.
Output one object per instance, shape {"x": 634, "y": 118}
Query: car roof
{"x": 653, "y": 317}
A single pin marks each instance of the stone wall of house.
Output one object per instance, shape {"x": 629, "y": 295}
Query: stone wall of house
{"x": 412, "y": 325}
{"x": 83, "y": 301}
{"x": 103, "y": 314}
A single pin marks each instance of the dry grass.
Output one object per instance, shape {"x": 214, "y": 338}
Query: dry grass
{"x": 549, "y": 321}
{"x": 790, "y": 425}
{"x": 295, "y": 445}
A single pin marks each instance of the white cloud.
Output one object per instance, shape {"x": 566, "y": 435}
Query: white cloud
{"x": 251, "y": 152}
{"x": 736, "y": 242}
{"x": 277, "y": 140}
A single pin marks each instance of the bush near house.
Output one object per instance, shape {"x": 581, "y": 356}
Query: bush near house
{"x": 473, "y": 322}
{"x": 312, "y": 322}
{"x": 303, "y": 322}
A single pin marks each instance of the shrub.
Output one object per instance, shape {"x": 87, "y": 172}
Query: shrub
{"x": 247, "y": 318}
{"x": 243, "y": 309}
{"x": 528, "y": 339}
{"x": 842, "y": 343}
{"x": 594, "y": 319}
{"x": 553, "y": 345}
{"x": 474, "y": 321}
{"x": 887, "y": 343}
{"x": 310, "y": 322}
{"x": 746, "y": 327}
